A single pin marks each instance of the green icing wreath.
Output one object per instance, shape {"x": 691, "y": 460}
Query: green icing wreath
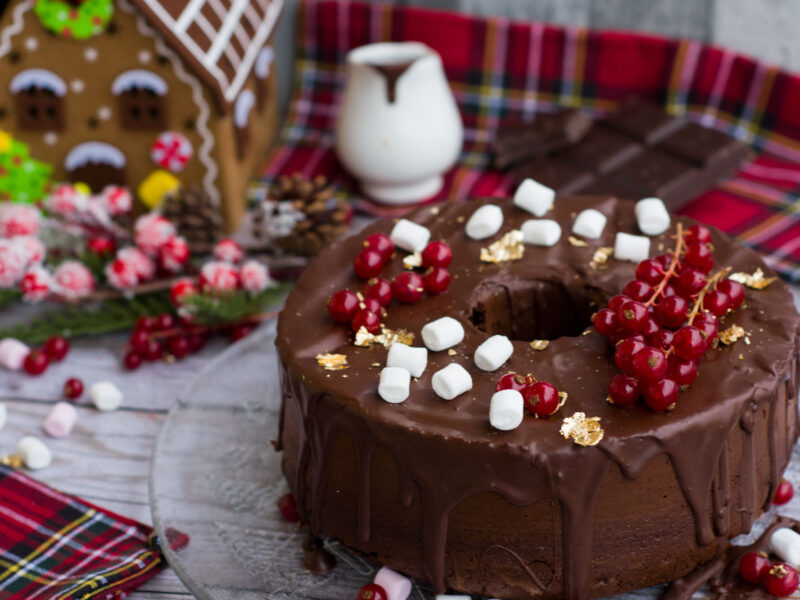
{"x": 78, "y": 21}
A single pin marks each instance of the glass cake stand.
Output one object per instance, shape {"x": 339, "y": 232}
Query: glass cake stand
{"x": 216, "y": 477}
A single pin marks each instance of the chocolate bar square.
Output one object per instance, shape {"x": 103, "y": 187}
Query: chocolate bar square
{"x": 704, "y": 147}
{"x": 642, "y": 121}
{"x": 653, "y": 173}
{"x": 602, "y": 150}
{"x": 562, "y": 176}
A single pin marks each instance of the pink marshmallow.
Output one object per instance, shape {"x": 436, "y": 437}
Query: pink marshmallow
{"x": 60, "y": 421}
{"x": 398, "y": 587}
{"x": 12, "y": 353}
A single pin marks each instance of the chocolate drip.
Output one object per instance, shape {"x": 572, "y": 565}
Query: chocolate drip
{"x": 721, "y": 493}
{"x": 391, "y": 73}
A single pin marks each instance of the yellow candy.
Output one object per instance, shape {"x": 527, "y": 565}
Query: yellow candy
{"x": 5, "y": 141}
{"x": 82, "y": 188}
{"x": 157, "y": 185}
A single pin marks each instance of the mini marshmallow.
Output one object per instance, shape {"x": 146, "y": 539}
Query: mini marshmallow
{"x": 534, "y": 197}
{"x": 589, "y": 224}
{"x": 652, "y": 216}
{"x": 61, "y": 420}
{"x": 413, "y": 360}
{"x": 453, "y": 597}
{"x": 442, "y": 334}
{"x": 396, "y": 586}
{"x": 393, "y": 384}
{"x": 492, "y": 353}
{"x": 451, "y": 381}
{"x": 785, "y": 543}
{"x": 541, "y": 232}
{"x": 3, "y": 415}
{"x": 634, "y": 248}
{"x": 35, "y": 455}
{"x": 506, "y": 410}
{"x": 105, "y": 396}
{"x": 12, "y": 353}
{"x": 410, "y": 236}
{"x": 485, "y": 222}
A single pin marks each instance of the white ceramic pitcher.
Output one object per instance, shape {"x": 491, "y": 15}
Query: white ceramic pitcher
{"x": 399, "y": 128}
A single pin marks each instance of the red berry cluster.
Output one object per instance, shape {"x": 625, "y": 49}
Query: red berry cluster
{"x": 154, "y": 337}
{"x": 780, "y": 579}
{"x": 541, "y": 398}
{"x": 665, "y": 320}
{"x": 37, "y": 360}
{"x": 365, "y": 310}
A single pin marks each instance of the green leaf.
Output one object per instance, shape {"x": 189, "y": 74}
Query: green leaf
{"x": 234, "y": 306}
{"x": 7, "y": 296}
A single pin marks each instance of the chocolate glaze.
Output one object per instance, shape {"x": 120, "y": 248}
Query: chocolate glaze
{"x": 391, "y": 73}
{"x": 344, "y": 447}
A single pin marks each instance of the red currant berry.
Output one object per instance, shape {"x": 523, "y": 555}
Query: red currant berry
{"x": 783, "y": 494}
{"x": 56, "y": 348}
{"x": 36, "y": 362}
{"x": 606, "y": 322}
{"x": 139, "y": 341}
{"x": 514, "y": 381}
{"x": 367, "y": 264}
{"x": 380, "y": 243}
{"x": 698, "y": 234}
{"x": 689, "y": 343}
{"x": 632, "y": 316}
{"x": 371, "y": 304}
{"x": 754, "y": 566}
{"x": 664, "y": 261}
{"x": 661, "y": 394}
{"x": 690, "y": 282}
{"x": 661, "y": 339}
{"x": 697, "y": 255}
{"x": 73, "y": 388}
{"x": 178, "y": 346}
{"x": 132, "y": 360}
{"x": 408, "y": 287}
{"x": 638, "y": 290}
{"x": 101, "y": 246}
{"x": 288, "y": 508}
{"x": 145, "y": 324}
{"x": 649, "y": 364}
{"x": 617, "y": 301}
{"x": 366, "y": 319}
{"x": 669, "y": 290}
{"x": 624, "y": 389}
{"x": 164, "y": 321}
{"x": 154, "y": 351}
{"x": 734, "y": 290}
{"x": 437, "y": 254}
{"x": 682, "y": 371}
{"x": 197, "y": 341}
{"x": 651, "y": 327}
{"x": 671, "y": 311}
{"x": 372, "y": 591}
{"x": 781, "y": 580}
{"x": 238, "y": 332}
{"x": 623, "y": 354}
{"x": 650, "y": 271}
{"x": 342, "y": 306}
{"x": 541, "y": 398}
{"x": 716, "y": 302}
{"x": 378, "y": 288}
{"x": 708, "y": 326}
{"x": 436, "y": 280}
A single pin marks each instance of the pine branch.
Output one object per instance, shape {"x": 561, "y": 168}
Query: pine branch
{"x": 233, "y": 307}
{"x": 7, "y": 296}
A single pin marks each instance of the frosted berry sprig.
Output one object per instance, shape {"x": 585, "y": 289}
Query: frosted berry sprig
{"x": 541, "y": 398}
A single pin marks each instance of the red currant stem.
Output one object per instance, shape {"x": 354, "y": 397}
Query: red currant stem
{"x": 710, "y": 285}
{"x": 676, "y": 254}
{"x": 251, "y": 320}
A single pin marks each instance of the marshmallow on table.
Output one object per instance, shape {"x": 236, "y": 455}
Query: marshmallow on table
{"x": 413, "y": 360}
{"x": 785, "y": 543}
{"x": 61, "y": 420}
{"x": 442, "y": 334}
{"x": 12, "y": 353}
{"x": 534, "y": 197}
{"x": 589, "y": 224}
{"x": 393, "y": 384}
{"x": 396, "y": 586}
{"x": 492, "y": 353}
{"x": 652, "y": 216}
{"x": 485, "y": 222}
{"x": 506, "y": 410}
{"x": 410, "y": 236}
{"x": 3, "y": 415}
{"x": 451, "y": 381}
{"x": 35, "y": 455}
{"x": 541, "y": 232}
{"x": 105, "y": 396}
{"x": 453, "y": 597}
{"x": 634, "y": 248}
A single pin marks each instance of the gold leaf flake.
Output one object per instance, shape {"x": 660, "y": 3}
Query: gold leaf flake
{"x": 562, "y": 400}
{"x": 757, "y": 281}
{"x": 12, "y": 460}
{"x": 508, "y": 247}
{"x": 435, "y": 210}
{"x": 539, "y": 344}
{"x": 451, "y": 352}
{"x": 332, "y": 362}
{"x": 461, "y": 219}
{"x": 731, "y": 334}
{"x": 584, "y": 431}
{"x": 601, "y": 256}
{"x": 412, "y": 261}
{"x": 386, "y": 337}
{"x": 578, "y": 243}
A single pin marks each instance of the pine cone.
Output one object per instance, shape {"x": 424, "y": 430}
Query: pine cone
{"x": 195, "y": 218}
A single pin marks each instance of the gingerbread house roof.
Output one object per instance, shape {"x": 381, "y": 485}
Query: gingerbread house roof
{"x": 219, "y": 39}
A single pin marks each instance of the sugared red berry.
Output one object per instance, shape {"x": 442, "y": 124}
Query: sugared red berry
{"x": 366, "y": 319}
{"x": 606, "y": 322}
{"x": 288, "y": 508}
{"x": 436, "y": 280}
{"x": 239, "y": 332}
{"x": 650, "y": 272}
{"x": 378, "y": 288}
{"x": 638, "y": 290}
{"x": 671, "y": 311}
{"x": 372, "y": 591}
{"x": 734, "y": 290}
{"x": 682, "y": 371}
{"x": 36, "y": 362}
{"x": 178, "y": 346}
{"x": 437, "y": 254}
{"x": 541, "y": 398}
{"x": 145, "y": 324}
{"x": 632, "y": 316}
{"x": 342, "y": 306}
{"x": 165, "y": 321}
{"x": 408, "y": 287}
{"x": 781, "y": 580}
{"x": 754, "y": 566}
{"x": 689, "y": 343}
{"x": 514, "y": 381}
{"x": 661, "y": 394}
{"x": 623, "y": 354}
{"x": 624, "y": 389}
{"x": 180, "y": 290}
{"x": 56, "y": 348}
{"x": 649, "y": 364}
{"x": 73, "y": 388}
{"x": 689, "y": 282}
{"x": 132, "y": 360}
{"x": 783, "y": 493}
{"x": 154, "y": 351}
{"x": 661, "y": 339}
{"x": 139, "y": 341}
{"x": 101, "y": 246}
{"x": 380, "y": 243}
{"x": 697, "y": 234}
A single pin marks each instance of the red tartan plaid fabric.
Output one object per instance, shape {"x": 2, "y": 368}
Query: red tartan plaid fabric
{"x": 503, "y": 72}
{"x": 57, "y": 547}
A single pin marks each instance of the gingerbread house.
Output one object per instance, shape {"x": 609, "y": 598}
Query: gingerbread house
{"x": 148, "y": 93}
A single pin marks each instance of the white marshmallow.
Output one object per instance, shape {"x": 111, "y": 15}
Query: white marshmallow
{"x": 453, "y": 597}
{"x": 410, "y": 236}
{"x": 396, "y": 586}
{"x": 634, "y": 248}
{"x": 534, "y": 197}
{"x": 492, "y": 353}
{"x": 61, "y": 420}
{"x": 414, "y": 360}
{"x": 506, "y": 410}
{"x": 393, "y": 384}
{"x": 35, "y": 455}
{"x": 785, "y": 543}
{"x": 652, "y": 216}
{"x": 541, "y": 232}
{"x": 451, "y": 381}
{"x": 485, "y": 222}
{"x": 589, "y": 224}
{"x": 12, "y": 353}
{"x": 442, "y": 334}
{"x": 3, "y": 415}
{"x": 105, "y": 396}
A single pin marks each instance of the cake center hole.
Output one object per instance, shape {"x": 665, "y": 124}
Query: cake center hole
{"x": 533, "y": 309}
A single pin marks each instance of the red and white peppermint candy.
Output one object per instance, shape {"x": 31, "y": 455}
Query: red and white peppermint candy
{"x": 18, "y": 219}
{"x": 118, "y": 200}
{"x": 32, "y": 249}
{"x": 229, "y": 251}
{"x": 73, "y": 280}
{"x": 121, "y": 274}
{"x": 254, "y": 276}
{"x": 66, "y": 201}
{"x": 36, "y": 284}
{"x": 180, "y": 289}
{"x": 152, "y": 231}
{"x": 12, "y": 263}
{"x": 141, "y": 264}
{"x": 174, "y": 255}
{"x": 171, "y": 150}
{"x": 217, "y": 276}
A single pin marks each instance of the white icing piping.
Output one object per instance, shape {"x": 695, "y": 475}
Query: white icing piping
{"x": 17, "y": 25}
{"x": 263, "y": 62}
{"x": 141, "y": 78}
{"x": 241, "y": 111}
{"x": 94, "y": 152}
{"x": 41, "y": 78}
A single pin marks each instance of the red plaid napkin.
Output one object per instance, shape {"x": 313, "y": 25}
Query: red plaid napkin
{"x": 56, "y": 547}
{"x": 503, "y": 71}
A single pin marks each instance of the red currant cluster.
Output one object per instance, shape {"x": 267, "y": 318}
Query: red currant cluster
{"x": 665, "y": 320}
{"x": 37, "y": 360}
{"x": 780, "y": 579}
{"x": 541, "y": 398}
{"x": 366, "y": 309}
